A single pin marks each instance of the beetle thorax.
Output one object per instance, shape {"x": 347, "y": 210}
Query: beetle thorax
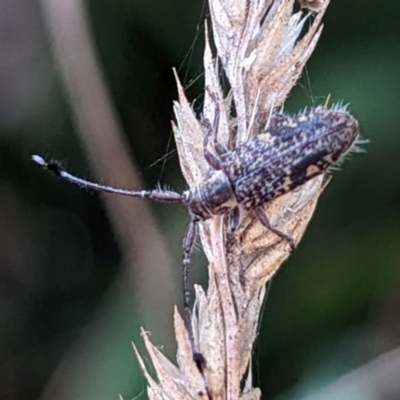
{"x": 213, "y": 197}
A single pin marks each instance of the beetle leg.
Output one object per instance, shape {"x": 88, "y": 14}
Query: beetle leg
{"x": 262, "y": 217}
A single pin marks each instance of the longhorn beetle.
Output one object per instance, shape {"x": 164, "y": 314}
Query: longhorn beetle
{"x": 287, "y": 153}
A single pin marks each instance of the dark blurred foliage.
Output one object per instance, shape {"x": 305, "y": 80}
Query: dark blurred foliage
{"x": 334, "y": 306}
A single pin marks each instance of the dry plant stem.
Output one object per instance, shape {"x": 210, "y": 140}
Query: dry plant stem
{"x": 260, "y": 52}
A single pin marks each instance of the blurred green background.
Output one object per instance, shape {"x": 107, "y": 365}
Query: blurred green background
{"x": 69, "y": 306}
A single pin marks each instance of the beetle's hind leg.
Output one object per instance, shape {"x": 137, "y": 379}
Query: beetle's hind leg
{"x": 262, "y": 217}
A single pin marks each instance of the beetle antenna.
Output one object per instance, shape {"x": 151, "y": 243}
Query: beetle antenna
{"x": 167, "y": 196}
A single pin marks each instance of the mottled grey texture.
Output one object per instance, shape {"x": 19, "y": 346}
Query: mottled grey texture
{"x": 291, "y": 151}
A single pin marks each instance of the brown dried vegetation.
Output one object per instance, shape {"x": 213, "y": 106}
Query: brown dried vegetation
{"x": 259, "y": 50}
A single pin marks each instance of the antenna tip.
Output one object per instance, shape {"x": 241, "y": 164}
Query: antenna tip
{"x": 38, "y": 160}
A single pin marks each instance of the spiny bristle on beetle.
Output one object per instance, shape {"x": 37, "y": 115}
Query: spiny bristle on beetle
{"x": 338, "y": 106}
{"x": 357, "y": 145}
{"x": 354, "y": 149}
